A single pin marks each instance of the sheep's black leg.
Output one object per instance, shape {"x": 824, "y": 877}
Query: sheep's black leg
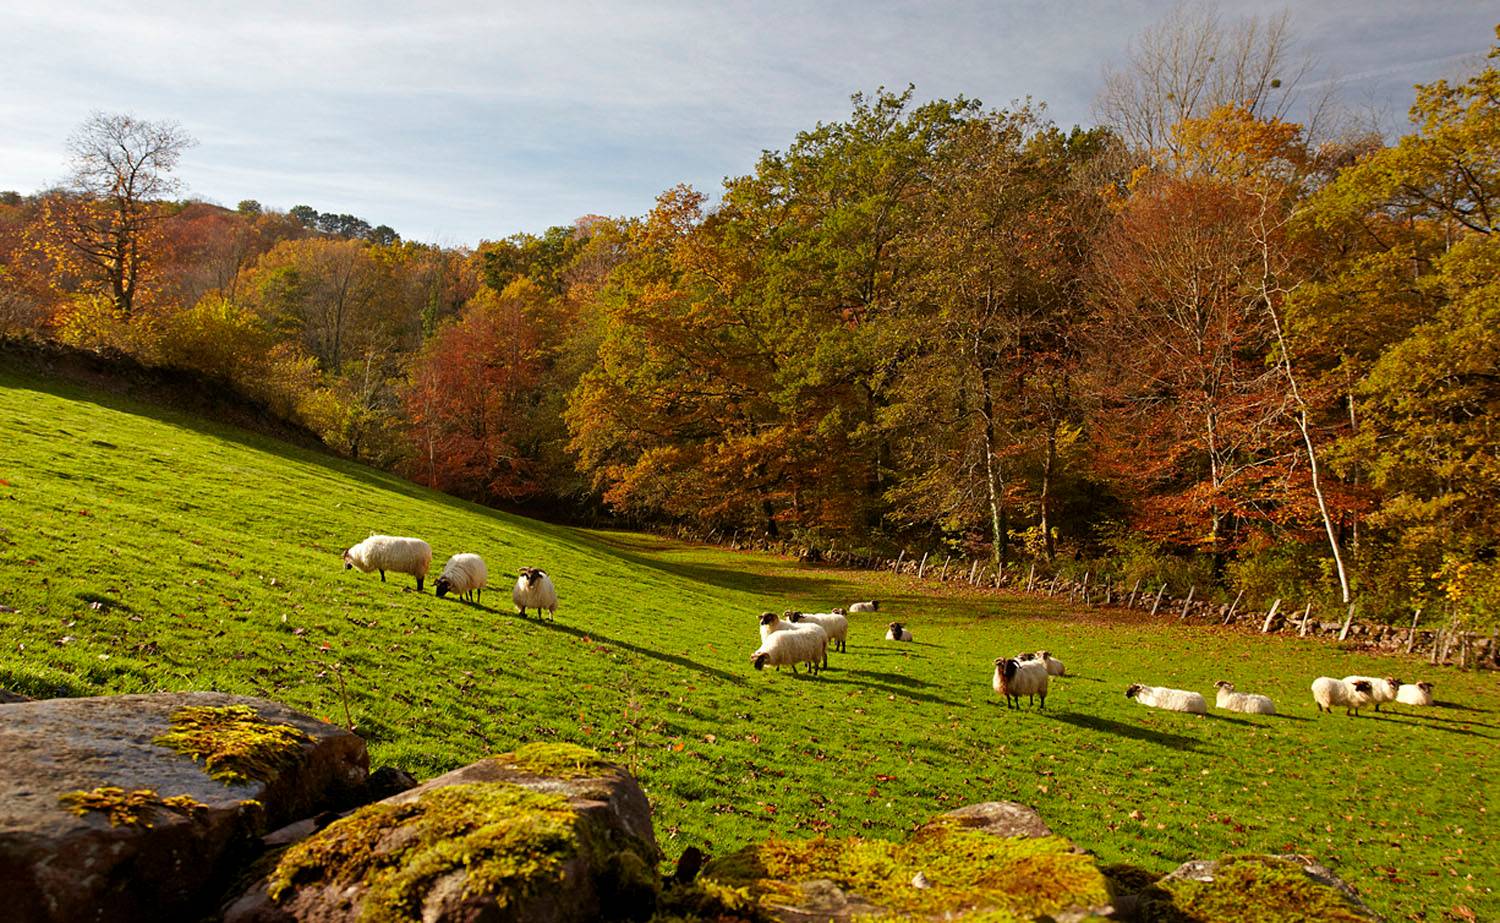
{"x": 382, "y": 576}
{"x": 419, "y": 584}
{"x": 1044, "y": 703}
{"x": 794, "y": 669}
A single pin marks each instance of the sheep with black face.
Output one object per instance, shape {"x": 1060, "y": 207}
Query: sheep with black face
{"x": 534, "y": 590}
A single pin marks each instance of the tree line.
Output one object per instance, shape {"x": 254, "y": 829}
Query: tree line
{"x": 1199, "y": 335}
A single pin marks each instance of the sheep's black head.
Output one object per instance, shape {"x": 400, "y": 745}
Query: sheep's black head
{"x": 1224, "y": 684}
{"x": 1024, "y": 657}
{"x": 759, "y": 660}
{"x": 788, "y": 613}
{"x": 768, "y": 618}
{"x": 441, "y": 587}
{"x": 1363, "y": 685}
{"x": 895, "y": 627}
{"x": 875, "y": 604}
{"x": 796, "y": 618}
{"x": 1425, "y": 687}
{"x": 840, "y": 610}
{"x": 348, "y": 561}
{"x": 1011, "y": 668}
{"x": 1133, "y": 690}
{"x": 1394, "y": 682}
{"x": 1044, "y": 654}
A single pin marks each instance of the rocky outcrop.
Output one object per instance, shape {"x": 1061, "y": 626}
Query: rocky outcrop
{"x": 102, "y": 821}
{"x": 549, "y": 833}
{"x": 1286, "y": 887}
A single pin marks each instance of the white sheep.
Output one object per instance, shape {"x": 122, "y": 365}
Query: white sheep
{"x": 391, "y": 553}
{"x": 1414, "y": 694}
{"x": 464, "y": 575}
{"x": 1328, "y": 692}
{"x": 870, "y": 606}
{"x": 769, "y": 622}
{"x": 1247, "y": 702}
{"x": 1169, "y": 699}
{"x": 534, "y": 590}
{"x": 1054, "y": 666}
{"x": 835, "y": 623}
{"x": 1015, "y": 678}
{"x": 1381, "y": 689}
{"x": 895, "y": 631}
{"x": 788, "y": 647}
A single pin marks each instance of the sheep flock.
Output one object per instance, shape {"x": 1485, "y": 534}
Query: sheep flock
{"x": 806, "y": 638}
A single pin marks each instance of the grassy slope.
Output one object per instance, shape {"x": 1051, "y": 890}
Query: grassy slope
{"x": 213, "y": 556}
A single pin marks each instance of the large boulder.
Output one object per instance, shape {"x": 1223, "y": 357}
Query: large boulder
{"x": 549, "y": 833}
{"x": 136, "y": 807}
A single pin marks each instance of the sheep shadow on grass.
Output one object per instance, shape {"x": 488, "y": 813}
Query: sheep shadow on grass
{"x": 675, "y": 659}
{"x": 888, "y": 690}
{"x": 1398, "y": 718}
{"x": 1121, "y": 729}
{"x": 897, "y": 678}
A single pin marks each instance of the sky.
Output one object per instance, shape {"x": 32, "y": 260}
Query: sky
{"x": 459, "y": 122}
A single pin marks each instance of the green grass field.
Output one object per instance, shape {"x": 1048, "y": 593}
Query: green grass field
{"x": 142, "y": 550}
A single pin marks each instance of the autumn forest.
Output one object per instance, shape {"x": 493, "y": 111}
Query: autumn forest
{"x": 1222, "y": 335}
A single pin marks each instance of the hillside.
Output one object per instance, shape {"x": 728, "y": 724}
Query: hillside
{"x": 143, "y": 550}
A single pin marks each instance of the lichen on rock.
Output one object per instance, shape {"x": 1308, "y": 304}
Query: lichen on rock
{"x": 1242, "y": 889}
{"x": 505, "y": 839}
{"x": 129, "y": 808}
{"x": 558, "y": 760}
{"x": 233, "y": 743}
{"x": 971, "y": 873}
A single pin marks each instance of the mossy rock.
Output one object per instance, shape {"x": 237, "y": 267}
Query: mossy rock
{"x": 485, "y": 849}
{"x": 234, "y": 743}
{"x": 970, "y": 875}
{"x": 1252, "y": 889}
{"x": 557, "y": 760}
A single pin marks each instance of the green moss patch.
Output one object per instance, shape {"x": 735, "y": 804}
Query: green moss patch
{"x": 233, "y": 743}
{"x": 987, "y": 877}
{"x": 558, "y": 760}
{"x": 129, "y": 808}
{"x": 507, "y": 838}
{"x": 1249, "y": 889}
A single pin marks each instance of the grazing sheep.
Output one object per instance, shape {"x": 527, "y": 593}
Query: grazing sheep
{"x": 1382, "y": 689}
{"x": 788, "y": 647}
{"x": 391, "y": 553}
{"x": 1328, "y": 692}
{"x": 770, "y": 623}
{"x": 871, "y": 606}
{"x": 1169, "y": 699}
{"x": 835, "y": 623}
{"x": 1247, "y": 702}
{"x": 895, "y": 631}
{"x": 464, "y": 575}
{"x": 1015, "y": 678}
{"x": 534, "y": 590}
{"x": 1415, "y": 694}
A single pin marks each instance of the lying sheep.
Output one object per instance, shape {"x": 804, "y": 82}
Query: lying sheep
{"x": 1015, "y": 678}
{"x": 1328, "y": 692}
{"x": 1169, "y": 699}
{"x": 464, "y": 575}
{"x": 1054, "y": 666}
{"x": 1415, "y": 694}
{"x": 1381, "y": 689}
{"x": 1247, "y": 702}
{"x": 788, "y": 647}
{"x": 835, "y": 623}
{"x": 391, "y": 553}
{"x": 871, "y": 606}
{"x": 895, "y": 631}
{"x": 534, "y": 590}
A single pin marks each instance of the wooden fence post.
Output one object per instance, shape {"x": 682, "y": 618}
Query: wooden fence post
{"x": 943, "y": 577}
{"x": 1188, "y": 603}
{"x": 1157, "y": 605}
{"x": 922, "y": 568}
{"x": 1131, "y": 604}
{"x": 1302, "y": 632}
{"x": 1344, "y": 631}
{"x": 1411, "y": 633}
{"x": 896, "y": 567}
{"x": 1269, "y": 616}
{"x": 1029, "y": 575}
{"x": 1234, "y": 605}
